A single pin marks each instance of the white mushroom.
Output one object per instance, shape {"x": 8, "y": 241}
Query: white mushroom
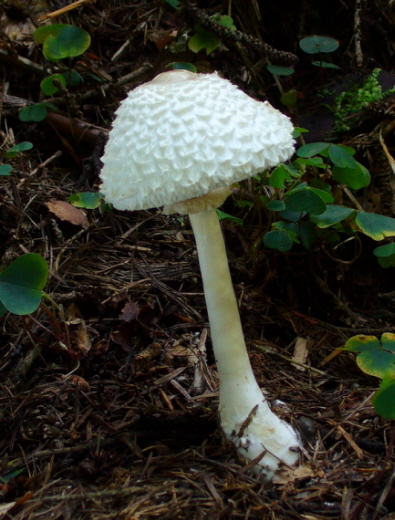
{"x": 180, "y": 141}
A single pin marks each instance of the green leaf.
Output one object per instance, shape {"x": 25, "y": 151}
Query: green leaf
{"x": 279, "y": 175}
{"x": 279, "y": 240}
{"x": 72, "y": 78}
{"x": 203, "y": 40}
{"x": 355, "y": 178}
{"x": 225, "y": 216}
{"x": 340, "y": 157}
{"x": 276, "y": 205}
{"x": 224, "y": 20}
{"x": 384, "y": 251}
{"x": 292, "y": 216}
{"x": 5, "y": 169}
{"x": 376, "y": 362}
{"x": 325, "y": 195}
{"x": 18, "y": 148}
{"x": 21, "y": 283}
{"x": 33, "y": 113}
{"x": 279, "y": 70}
{"x": 316, "y": 44}
{"x": 325, "y": 65}
{"x": 87, "y": 200}
{"x": 47, "y": 84}
{"x": 384, "y": 399}
{"x": 289, "y": 227}
{"x": 308, "y": 150}
{"x": 69, "y": 42}
{"x": 305, "y": 200}
{"x": 376, "y": 358}
{"x": 375, "y": 226}
{"x": 42, "y": 33}
{"x": 361, "y": 343}
{"x": 316, "y": 162}
{"x": 178, "y": 65}
{"x": 289, "y": 98}
{"x": 332, "y": 215}
{"x": 298, "y": 131}
{"x": 173, "y": 3}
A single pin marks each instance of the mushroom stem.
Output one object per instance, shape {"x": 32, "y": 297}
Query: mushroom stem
{"x": 245, "y": 414}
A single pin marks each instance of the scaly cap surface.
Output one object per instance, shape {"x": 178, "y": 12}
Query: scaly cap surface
{"x": 182, "y": 135}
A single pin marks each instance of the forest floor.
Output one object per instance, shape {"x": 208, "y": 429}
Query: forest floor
{"x": 100, "y": 413}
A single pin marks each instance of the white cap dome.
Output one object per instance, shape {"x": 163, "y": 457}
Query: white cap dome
{"x": 184, "y": 134}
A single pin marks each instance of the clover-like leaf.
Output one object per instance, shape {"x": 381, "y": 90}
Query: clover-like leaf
{"x": 306, "y": 199}
{"x": 316, "y": 44}
{"x": 332, "y": 215}
{"x": 70, "y": 41}
{"x": 21, "y": 284}
{"x": 278, "y": 239}
{"x": 384, "y": 399}
{"x": 35, "y": 113}
{"x": 375, "y": 226}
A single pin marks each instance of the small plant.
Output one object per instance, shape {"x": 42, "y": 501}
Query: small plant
{"x": 204, "y": 39}
{"x": 59, "y": 41}
{"x": 350, "y": 102}
{"x": 21, "y": 284}
{"x": 377, "y": 358}
{"x": 303, "y": 203}
{"x": 6, "y": 169}
{"x": 320, "y": 45}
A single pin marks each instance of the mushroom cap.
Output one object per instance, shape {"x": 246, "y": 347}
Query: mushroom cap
{"x": 182, "y": 135}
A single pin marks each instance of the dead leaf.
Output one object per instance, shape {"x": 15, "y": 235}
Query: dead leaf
{"x": 146, "y": 356}
{"x": 67, "y": 212}
{"x": 300, "y": 353}
{"x": 130, "y": 312}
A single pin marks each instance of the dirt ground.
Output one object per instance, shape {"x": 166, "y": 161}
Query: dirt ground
{"x": 109, "y": 391}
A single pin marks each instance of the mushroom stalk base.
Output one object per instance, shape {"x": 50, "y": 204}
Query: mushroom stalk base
{"x": 246, "y": 417}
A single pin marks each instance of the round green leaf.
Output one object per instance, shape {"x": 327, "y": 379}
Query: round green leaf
{"x": 384, "y": 251}
{"x": 18, "y": 148}
{"x": 47, "y": 84}
{"x": 316, "y": 44}
{"x": 305, "y": 200}
{"x": 33, "y": 113}
{"x": 308, "y": 150}
{"x": 332, "y": 215}
{"x": 70, "y": 41}
{"x": 360, "y": 343}
{"x": 289, "y": 98}
{"x": 376, "y": 362}
{"x": 355, "y": 178}
{"x": 278, "y": 70}
{"x": 5, "y": 170}
{"x": 326, "y": 196}
{"x": 278, "y": 240}
{"x": 276, "y": 205}
{"x": 42, "y": 33}
{"x": 341, "y": 157}
{"x": 87, "y": 200}
{"x": 384, "y": 399}
{"x": 72, "y": 78}
{"x": 204, "y": 40}
{"x": 375, "y": 226}
{"x": 21, "y": 283}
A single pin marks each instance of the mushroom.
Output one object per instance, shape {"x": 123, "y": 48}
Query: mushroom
{"x": 180, "y": 141}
